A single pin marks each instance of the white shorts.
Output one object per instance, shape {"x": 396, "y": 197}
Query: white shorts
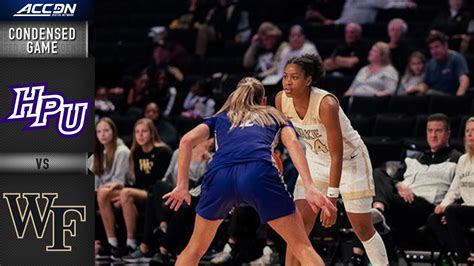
{"x": 356, "y": 179}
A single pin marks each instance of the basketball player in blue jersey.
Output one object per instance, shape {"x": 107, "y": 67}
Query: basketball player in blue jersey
{"x": 243, "y": 171}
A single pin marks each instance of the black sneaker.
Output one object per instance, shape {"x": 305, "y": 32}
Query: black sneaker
{"x": 378, "y": 219}
{"x": 356, "y": 260}
{"x": 160, "y": 260}
{"x": 137, "y": 257}
{"x": 105, "y": 252}
{"x": 118, "y": 253}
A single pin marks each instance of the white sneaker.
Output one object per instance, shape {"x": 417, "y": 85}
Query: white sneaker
{"x": 223, "y": 256}
{"x": 265, "y": 259}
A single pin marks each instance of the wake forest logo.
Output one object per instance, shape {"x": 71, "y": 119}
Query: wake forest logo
{"x": 32, "y": 102}
{"x": 25, "y": 209}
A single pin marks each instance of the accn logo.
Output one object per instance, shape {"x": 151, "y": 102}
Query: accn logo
{"x": 32, "y": 102}
{"x": 25, "y": 209}
{"x": 46, "y": 10}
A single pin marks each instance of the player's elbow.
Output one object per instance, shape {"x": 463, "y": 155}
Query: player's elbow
{"x": 186, "y": 141}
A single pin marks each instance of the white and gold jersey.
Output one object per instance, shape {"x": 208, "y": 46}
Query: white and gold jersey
{"x": 356, "y": 178}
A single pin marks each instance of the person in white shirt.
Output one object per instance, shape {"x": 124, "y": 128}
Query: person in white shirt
{"x": 378, "y": 78}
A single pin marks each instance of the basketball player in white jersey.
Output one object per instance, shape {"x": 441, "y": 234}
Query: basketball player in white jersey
{"x": 337, "y": 156}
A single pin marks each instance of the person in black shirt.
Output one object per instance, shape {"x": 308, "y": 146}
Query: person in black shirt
{"x": 349, "y": 57}
{"x": 399, "y": 49}
{"x": 149, "y": 159}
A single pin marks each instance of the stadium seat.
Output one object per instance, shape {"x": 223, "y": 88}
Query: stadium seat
{"x": 368, "y": 105}
{"x": 410, "y": 105}
{"x": 450, "y": 105}
{"x": 362, "y": 124}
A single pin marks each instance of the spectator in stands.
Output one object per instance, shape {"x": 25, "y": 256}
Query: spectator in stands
{"x": 450, "y": 220}
{"x": 109, "y": 163}
{"x": 322, "y": 10}
{"x": 447, "y": 72}
{"x": 166, "y": 130}
{"x": 149, "y": 159}
{"x": 414, "y": 74}
{"x": 221, "y": 23}
{"x": 379, "y": 78}
{"x": 349, "y": 57}
{"x": 199, "y": 102}
{"x": 399, "y": 48}
{"x": 298, "y": 46}
{"x": 264, "y": 49}
{"x": 419, "y": 185}
{"x": 103, "y": 106}
{"x": 453, "y": 22}
{"x": 157, "y": 215}
{"x": 363, "y": 12}
{"x": 161, "y": 60}
{"x": 192, "y": 18}
{"x": 164, "y": 93}
{"x": 138, "y": 93}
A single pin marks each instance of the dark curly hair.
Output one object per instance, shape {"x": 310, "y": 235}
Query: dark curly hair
{"x": 311, "y": 64}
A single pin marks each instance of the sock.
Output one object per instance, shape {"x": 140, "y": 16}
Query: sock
{"x": 112, "y": 241}
{"x": 132, "y": 243}
{"x": 375, "y": 249}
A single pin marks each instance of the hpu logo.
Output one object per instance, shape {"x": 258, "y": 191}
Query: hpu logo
{"x": 46, "y": 10}
{"x": 32, "y": 102}
{"x": 63, "y": 218}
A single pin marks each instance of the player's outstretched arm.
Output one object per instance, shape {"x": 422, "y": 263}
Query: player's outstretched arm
{"x": 181, "y": 192}
{"x": 315, "y": 198}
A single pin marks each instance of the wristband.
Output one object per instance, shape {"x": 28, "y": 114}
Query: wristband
{"x": 333, "y": 192}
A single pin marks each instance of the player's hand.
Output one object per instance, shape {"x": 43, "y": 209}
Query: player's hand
{"x": 328, "y": 221}
{"x": 405, "y": 192}
{"x": 317, "y": 200}
{"x": 175, "y": 198}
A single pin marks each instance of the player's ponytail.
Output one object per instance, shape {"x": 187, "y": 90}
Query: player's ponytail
{"x": 244, "y": 105}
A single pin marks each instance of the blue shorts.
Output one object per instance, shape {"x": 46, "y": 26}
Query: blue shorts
{"x": 255, "y": 183}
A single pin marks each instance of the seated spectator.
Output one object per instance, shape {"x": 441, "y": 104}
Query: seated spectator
{"x": 103, "y": 106}
{"x": 199, "y": 102}
{"x": 447, "y": 72}
{"x": 399, "y": 48}
{"x": 379, "y": 78}
{"x": 138, "y": 93}
{"x": 109, "y": 163}
{"x": 264, "y": 49}
{"x": 298, "y": 46}
{"x": 362, "y": 12}
{"x": 192, "y": 18}
{"x": 221, "y": 23}
{"x": 450, "y": 220}
{"x": 323, "y": 10}
{"x": 164, "y": 93}
{"x": 166, "y": 130}
{"x": 157, "y": 215}
{"x": 161, "y": 60}
{"x": 414, "y": 74}
{"x": 453, "y": 22}
{"x": 419, "y": 185}
{"x": 349, "y": 57}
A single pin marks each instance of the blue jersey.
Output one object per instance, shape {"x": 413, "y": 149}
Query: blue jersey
{"x": 242, "y": 172}
{"x": 241, "y": 144}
